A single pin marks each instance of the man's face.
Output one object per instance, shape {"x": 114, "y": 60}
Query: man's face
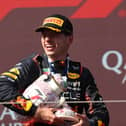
{"x": 55, "y": 44}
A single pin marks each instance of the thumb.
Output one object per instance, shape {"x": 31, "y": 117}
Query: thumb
{"x": 53, "y": 109}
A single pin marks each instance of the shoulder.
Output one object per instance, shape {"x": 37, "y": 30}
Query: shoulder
{"x": 78, "y": 65}
{"x": 33, "y": 58}
{"x": 75, "y": 66}
{"x": 30, "y": 63}
{"x": 84, "y": 71}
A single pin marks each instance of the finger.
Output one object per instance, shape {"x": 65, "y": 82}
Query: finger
{"x": 79, "y": 123}
{"x": 53, "y": 109}
{"x": 80, "y": 118}
{"x": 80, "y": 115}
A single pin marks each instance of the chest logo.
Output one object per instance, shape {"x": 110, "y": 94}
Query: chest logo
{"x": 73, "y": 75}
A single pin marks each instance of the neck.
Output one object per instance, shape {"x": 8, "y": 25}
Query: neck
{"x": 54, "y": 58}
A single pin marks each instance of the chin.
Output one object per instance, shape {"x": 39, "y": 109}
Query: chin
{"x": 50, "y": 54}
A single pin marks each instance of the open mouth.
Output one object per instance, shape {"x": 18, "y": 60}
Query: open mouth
{"x": 50, "y": 47}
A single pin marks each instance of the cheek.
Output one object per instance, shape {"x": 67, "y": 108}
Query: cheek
{"x": 64, "y": 46}
{"x": 42, "y": 41}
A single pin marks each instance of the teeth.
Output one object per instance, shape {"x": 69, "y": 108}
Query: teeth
{"x": 49, "y": 46}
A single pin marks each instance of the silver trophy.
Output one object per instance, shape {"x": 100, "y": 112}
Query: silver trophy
{"x": 47, "y": 90}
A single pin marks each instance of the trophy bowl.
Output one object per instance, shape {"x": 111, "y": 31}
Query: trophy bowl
{"x": 43, "y": 90}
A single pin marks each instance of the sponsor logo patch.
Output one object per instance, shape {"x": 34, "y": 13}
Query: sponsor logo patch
{"x": 100, "y": 123}
{"x": 73, "y": 75}
{"x": 52, "y": 20}
{"x": 11, "y": 75}
{"x": 15, "y": 70}
{"x": 25, "y": 104}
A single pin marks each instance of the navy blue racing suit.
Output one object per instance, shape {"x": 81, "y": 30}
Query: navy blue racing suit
{"x": 81, "y": 86}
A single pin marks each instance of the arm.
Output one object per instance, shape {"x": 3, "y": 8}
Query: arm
{"x": 14, "y": 81}
{"x": 97, "y": 113}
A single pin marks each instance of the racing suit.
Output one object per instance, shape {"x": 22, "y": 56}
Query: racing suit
{"x": 80, "y": 87}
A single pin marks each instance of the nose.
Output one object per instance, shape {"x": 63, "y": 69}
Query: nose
{"x": 48, "y": 38}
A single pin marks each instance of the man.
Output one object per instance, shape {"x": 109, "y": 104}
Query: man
{"x": 56, "y": 37}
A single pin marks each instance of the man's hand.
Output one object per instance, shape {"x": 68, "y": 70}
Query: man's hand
{"x": 83, "y": 120}
{"x": 45, "y": 114}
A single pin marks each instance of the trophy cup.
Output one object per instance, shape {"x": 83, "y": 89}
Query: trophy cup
{"x": 47, "y": 90}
